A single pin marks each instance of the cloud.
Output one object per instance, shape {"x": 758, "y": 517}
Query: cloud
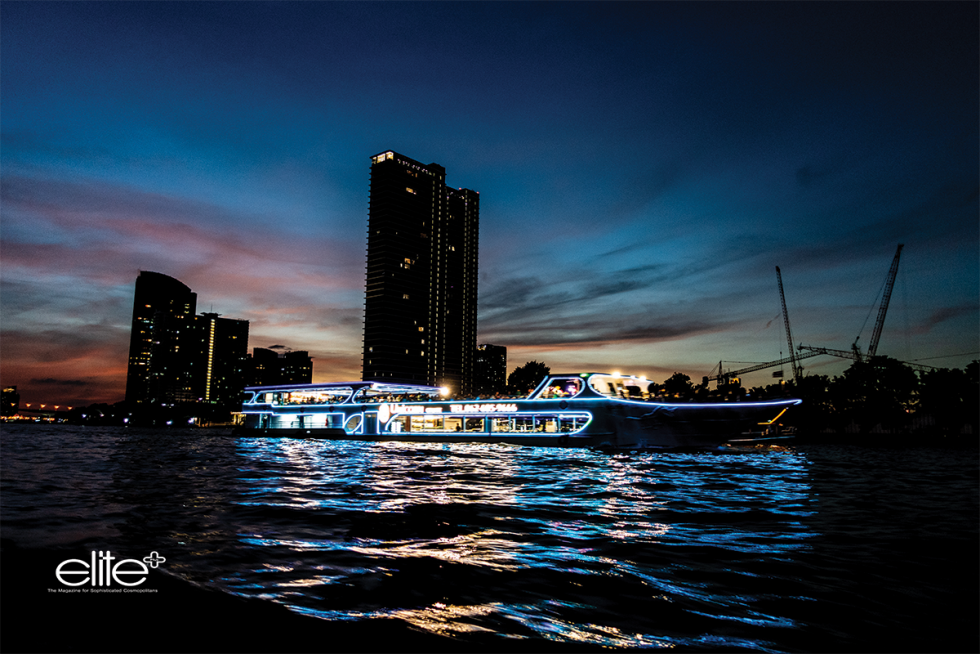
{"x": 571, "y": 285}
{"x": 942, "y": 315}
{"x": 624, "y": 200}
{"x": 51, "y": 381}
{"x": 71, "y": 252}
{"x": 138, "y": 224}
{"x": 66, "y": 366}
{"x": 546, "y": 336}
{"x": 94, "y": 236}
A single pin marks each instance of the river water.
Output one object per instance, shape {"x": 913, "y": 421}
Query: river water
{"x": 497, "y": 547}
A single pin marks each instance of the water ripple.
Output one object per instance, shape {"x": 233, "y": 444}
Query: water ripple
{"x": 791, "y": 550}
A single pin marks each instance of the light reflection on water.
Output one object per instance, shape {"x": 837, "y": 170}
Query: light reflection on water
{"x": 804, "y": 549}
{"x": 600, "y": 523}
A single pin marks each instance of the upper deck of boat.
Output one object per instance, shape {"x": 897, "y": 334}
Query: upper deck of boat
{"x": 573, "y": 386}
{"x": 590, "y": 385}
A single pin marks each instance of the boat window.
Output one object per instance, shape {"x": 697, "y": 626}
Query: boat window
{"x": 523, "y": 423}
{"x": 353, "y": 423}
{"x": 549, "y": 424}
{"x": 561, "y": 387}
{"x": 563, "y": 422}
{"x": 620, "y": 386}
{"x": 427, "y": 423}
{"x": 377, "y": 395}
{"x": 502, "y": 424}
{"x": 315, "y": 397}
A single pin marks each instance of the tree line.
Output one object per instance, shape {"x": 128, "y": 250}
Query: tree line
{"x": 879, "y": 395}
{"x": 885, "y": 394}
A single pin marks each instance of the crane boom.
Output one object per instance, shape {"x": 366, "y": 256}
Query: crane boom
{"x": 844, "y": 354}
{"x": 889, "y": 284}
{"x": 759, "y": 366}
{"x": 789, "y": 336}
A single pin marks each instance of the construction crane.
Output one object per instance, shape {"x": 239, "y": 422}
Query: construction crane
{"x": 789, "y": 335}
{"x": 889, "y": 284}
{"x": 855, "y": 352}
{"x": 857, "y": 356}
{"x": 722, "y": 376}
{"x": 793, "y": 359}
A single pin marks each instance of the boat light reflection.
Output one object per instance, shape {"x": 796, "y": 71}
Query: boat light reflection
{"x": 380, "y": 521}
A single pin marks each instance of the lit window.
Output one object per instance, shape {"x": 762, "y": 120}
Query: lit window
{"x": 405, "y": 296}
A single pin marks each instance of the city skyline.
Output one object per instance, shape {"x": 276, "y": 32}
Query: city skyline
{"x": 643, "y": 168}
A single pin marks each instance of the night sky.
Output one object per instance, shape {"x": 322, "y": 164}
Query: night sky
{"x": 642, "y": 169}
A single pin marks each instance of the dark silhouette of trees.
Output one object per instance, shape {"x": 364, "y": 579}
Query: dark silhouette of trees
{"x": 941, "y": 396}
{"x": 678, "y": 385}
{"x": 885, "y": 393}
{"x": 526, "y": 378}
{"x": 817, "y": 411}
{"x": 877, "y": 392}
{"x": 971, "y": 395}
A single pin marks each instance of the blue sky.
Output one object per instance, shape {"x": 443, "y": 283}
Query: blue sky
{"x": 642, "y": 169}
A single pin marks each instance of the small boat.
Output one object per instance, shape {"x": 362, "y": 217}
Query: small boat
{"x": 768, "y": 433}
{"x": 572, "y": 410}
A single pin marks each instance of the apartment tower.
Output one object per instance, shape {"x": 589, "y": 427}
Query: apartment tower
{"x": 176, "y": 357}
{"x": 421, "y": 286}
{"x": 160, "y": 340}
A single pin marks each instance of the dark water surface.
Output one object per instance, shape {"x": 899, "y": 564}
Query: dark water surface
{"x": 405, "y": 546}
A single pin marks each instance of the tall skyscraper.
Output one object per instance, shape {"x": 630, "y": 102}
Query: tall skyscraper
{"x": 217, "y": 365}
{"x": 163, "y": 313}
{"x": 421, "y": 287}
{"x": 176, "y": 357}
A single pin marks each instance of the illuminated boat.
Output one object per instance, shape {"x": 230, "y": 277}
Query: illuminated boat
{"x": 575, "y": 410}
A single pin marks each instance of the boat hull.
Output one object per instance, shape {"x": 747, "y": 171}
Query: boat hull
{"x": 589, "y": 440}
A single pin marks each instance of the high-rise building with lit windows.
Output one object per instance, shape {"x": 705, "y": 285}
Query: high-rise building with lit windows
{"x": 176, "y": 357}
{"x": 268, "y": 367}
{"x": 217, "y": 364}
{"x": 490, "y": 369}
{"x": 421, "y": 287}
{"x": 160, "y": 340}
